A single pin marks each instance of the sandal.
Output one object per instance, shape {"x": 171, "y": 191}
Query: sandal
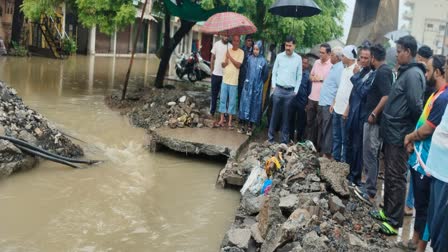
{"x": 217, "y": 125}
{"x": 410, "y": 245}
{"x": 241, "y": 131}
{"x": 231, "y": 127}
{"x": 378, "y": 214}
{"x": 249, "y": 133}
{"x": 387, "y": 229}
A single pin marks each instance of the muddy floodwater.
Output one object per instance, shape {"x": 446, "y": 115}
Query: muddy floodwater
{"x": 134, "y": 201}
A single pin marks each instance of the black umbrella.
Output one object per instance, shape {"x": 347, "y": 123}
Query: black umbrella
{"x": 295, "y": 8}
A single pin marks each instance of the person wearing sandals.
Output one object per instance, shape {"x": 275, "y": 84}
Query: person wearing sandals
{"x": 419, "y": 142}
{"x": 229, "y": 88}
{"x": 401, "y": 112}
{"x": 286, "y": 79}
{"x": 252, "y": 93}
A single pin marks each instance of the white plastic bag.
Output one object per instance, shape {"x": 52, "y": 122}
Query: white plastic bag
{"x": 254, "y": 174}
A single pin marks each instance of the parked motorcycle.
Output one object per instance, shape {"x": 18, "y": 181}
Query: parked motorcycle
{"x": 184, "y": 65}
{"x": 201, "y": 69}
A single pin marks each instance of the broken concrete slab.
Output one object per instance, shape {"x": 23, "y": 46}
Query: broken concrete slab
{"x": 212, "y": 142}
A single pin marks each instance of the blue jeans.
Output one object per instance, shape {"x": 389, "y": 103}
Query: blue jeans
{"x": 281, "y": 104}
{"x": 410, "y": 197}
{"x": 339, "y": 138}
{"x": 230, "y": 93}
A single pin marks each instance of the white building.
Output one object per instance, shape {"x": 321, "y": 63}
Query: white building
{"x": 427, "y": 20}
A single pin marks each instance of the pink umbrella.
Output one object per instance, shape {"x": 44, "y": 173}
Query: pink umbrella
{"x": 228, "y": 24}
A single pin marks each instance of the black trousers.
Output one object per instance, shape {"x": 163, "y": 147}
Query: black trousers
{"x": 422, "y": 192}
{"x": 216, "y": 87}
{"x": 396, "y": 166}
{"x": 297, "y": 122}
{"x": 354, "y": 153}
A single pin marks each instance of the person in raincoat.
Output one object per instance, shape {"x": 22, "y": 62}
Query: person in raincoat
{"x": 252, "y": 93}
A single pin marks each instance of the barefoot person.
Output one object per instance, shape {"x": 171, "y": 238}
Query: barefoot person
{"x": 229, "y": 88}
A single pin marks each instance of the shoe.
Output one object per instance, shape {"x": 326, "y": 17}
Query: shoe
{"x": 361, "y": 189}
{"x": 364, "y": 197}
{"x": 378, "y": 214}
{"x": 351, "y": 185}
{"x": 249, "y": 133}
{"x": 387, "y": 229}
{"x": 241, "y": 131}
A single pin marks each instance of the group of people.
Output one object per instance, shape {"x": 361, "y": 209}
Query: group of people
{"x": 358, "y": 109}
{"x": 238, "y": 77}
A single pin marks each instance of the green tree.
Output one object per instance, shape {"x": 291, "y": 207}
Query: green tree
{"x": 169, "y": 43}
{"x": 307, "y": 31}
{"x": 107, "y": 14}
{"x": 193, "y": 11}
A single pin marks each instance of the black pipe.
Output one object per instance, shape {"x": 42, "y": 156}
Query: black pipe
{"x": 18, "y": 142}
{"x": 42, "y": 155}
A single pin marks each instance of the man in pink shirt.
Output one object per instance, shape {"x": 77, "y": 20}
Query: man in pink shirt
{"x": 319, "y": 73}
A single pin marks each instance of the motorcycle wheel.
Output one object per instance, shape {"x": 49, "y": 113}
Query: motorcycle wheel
{"x": 179, "y": 73}
{"x": 192, "y": 76}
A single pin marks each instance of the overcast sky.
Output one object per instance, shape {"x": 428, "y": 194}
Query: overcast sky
{"x": 348, "y": 15}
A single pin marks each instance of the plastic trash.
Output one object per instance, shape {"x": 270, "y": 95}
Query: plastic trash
{"x": 266, "y": 186}
{"x": 252, "y": 179}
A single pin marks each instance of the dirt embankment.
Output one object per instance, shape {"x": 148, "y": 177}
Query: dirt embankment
{"x": 19, "y": 121}
{"x": 152, "y": 108}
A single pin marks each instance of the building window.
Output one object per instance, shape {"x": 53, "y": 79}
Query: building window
{"x": 429, "y": 26}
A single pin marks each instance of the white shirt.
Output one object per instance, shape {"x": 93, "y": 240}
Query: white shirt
{"x": 344, "y": 90}
{"x": 219, "y": 50}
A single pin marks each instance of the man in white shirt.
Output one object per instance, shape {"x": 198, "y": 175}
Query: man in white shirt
{"x": 219, "y": 51}
{"x": 340, "y": 103}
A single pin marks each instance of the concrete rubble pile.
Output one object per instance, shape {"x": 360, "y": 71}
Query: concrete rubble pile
{"x": 170, "y": 108}
{"x": 19, "y": 121}
{"x": 306, "y": 208}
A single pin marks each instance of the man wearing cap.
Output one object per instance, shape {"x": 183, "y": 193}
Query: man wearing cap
{"x": 340, "y": 103}
{"x": 327, "y": 94}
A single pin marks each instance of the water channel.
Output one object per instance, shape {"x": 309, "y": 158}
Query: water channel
{"x": 135, "y": 201}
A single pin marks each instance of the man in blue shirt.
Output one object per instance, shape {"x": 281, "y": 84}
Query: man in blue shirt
{"x": 286, "y": 79}
{"x": 327, "y": 95}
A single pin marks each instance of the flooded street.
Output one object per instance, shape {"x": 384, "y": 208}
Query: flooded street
{"x": 134, "y": 201}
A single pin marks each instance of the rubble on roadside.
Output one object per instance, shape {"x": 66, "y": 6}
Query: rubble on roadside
{"x": 19, "y": 121}
{"x": 167, "y": 108}
{"x": 306, "y": 208}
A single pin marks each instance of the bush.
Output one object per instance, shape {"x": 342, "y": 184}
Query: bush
{"x": 18, "y": 50}
{"x": 69, "y": 46}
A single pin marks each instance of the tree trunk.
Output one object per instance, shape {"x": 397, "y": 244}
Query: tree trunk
{"x": 169, "y": 45}
{"x": 17, "y": 22}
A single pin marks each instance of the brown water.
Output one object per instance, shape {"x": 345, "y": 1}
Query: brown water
{"x": 135, "y": 201}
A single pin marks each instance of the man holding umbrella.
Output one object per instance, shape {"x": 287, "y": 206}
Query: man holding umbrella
{"x": 286, "y": 78}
